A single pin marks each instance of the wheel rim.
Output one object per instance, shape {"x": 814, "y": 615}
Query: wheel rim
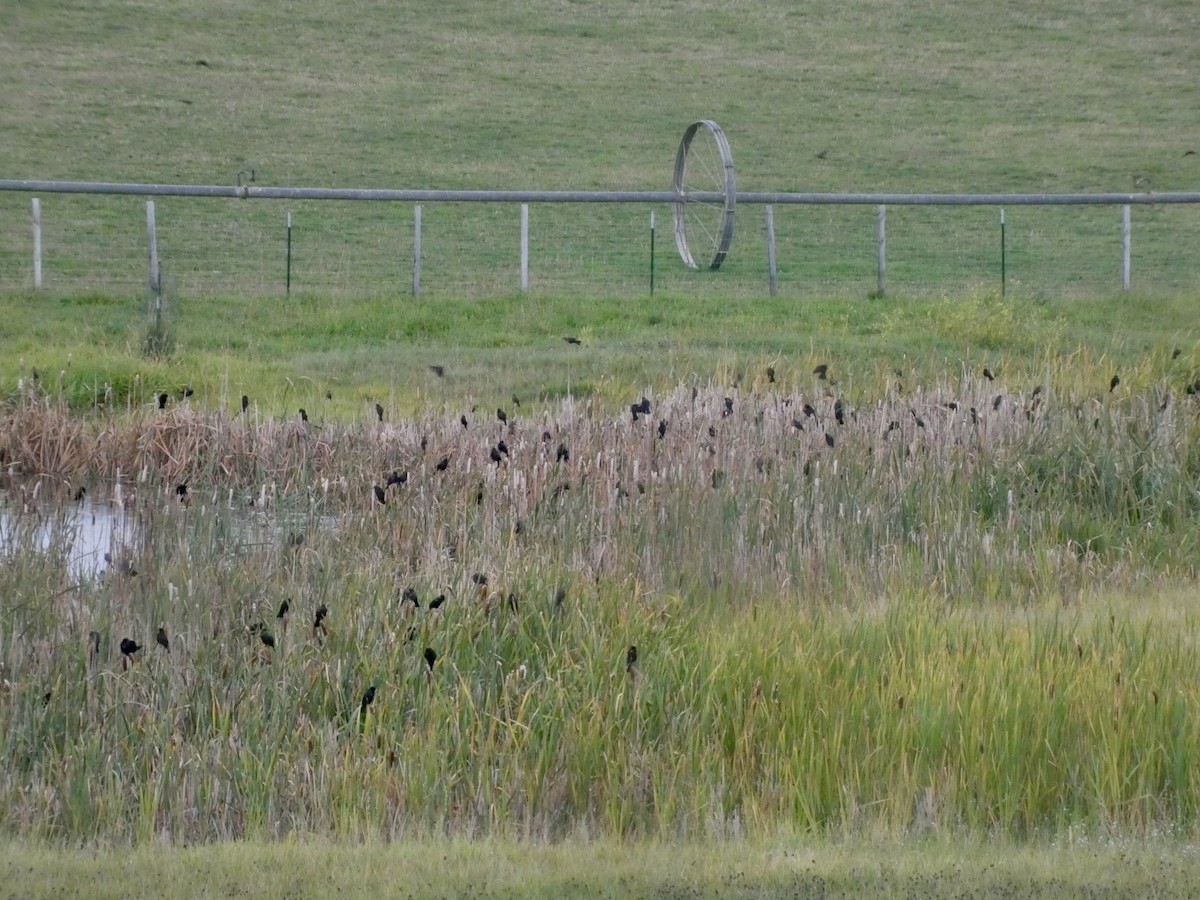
{"x": 705, "y": 192}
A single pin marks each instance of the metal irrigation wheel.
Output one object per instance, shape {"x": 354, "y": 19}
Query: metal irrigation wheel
{"x": 705, "y": 192}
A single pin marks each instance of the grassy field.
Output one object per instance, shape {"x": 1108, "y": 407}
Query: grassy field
{"x": 928, "y": 612}
{"x": 862, "y": 96}
{"x": 493, "y": 869}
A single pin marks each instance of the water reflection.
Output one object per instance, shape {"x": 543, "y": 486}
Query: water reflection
{"x": 91, "y": 534}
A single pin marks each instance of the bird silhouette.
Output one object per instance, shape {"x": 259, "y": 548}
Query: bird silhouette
{"x": 319, "y": 621}
{"x": 283, "y": 609}
{"x": 987, "y": 373}
{"x": 367, "y": 699}
{"x": 379, "y": 411}
{"x": 437, "y": 601}
{"x": 430, "y": 657}
{"x": 410, "y": 597}
{"x": 443, "y": 464}
{"x": 463, "y": 420}
{"x": 245, "y": 402}
{"x": 439, "y": 371}
{"x": 662, "y": 428}
{"x": 162, "y": 639}
{"x": 573, "y": 340}
{"x": 162, "y": 401}
{"x": 822, "y": 371}
{"x": 267, "y": 638}
{"x": 496, "y": 456}
{"x": 380, "y": 495}
{"x": 397, "y": 478}
{"x": 770, "y": 374}
{"x": 129, "y": 647}
{"x": 303, "y": 414}
{"x": 1112, "y": 385}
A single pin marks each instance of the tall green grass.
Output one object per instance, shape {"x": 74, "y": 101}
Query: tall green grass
{"x": 944, "y": 622}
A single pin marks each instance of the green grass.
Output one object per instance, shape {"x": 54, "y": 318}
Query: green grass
{"x": 287, "y": 355}
{"x": 898, "y": 96}
{"x": 494, "y": 869}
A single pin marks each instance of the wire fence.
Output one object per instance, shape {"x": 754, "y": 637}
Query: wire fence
{"x": 823, "y": 245}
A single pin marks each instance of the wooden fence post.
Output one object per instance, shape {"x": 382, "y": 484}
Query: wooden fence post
{"x": 152, "y": 234}
{"x": 37, "y": 244}
{"x": 881, "y": 241}
{"x": 417, "y": 250}
{"x": 1126, "y": 246}
{"x": 524, "y": 248}
{"x": 772, "y": 270}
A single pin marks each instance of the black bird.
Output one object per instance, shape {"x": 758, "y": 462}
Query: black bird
{"x": 514, "y": 602}
{"x": 631, "y": 658}
{"x": 379, "y": 411}
{"x": 463, "y": 419}
{"x": 186, "y": 392}
{"x": 502, "y": 447}
{"x": 809, "y": 410}
{"x": 839, "y": 411}
{"x": 829, "y": 441}
{"x": 987, "y": 373}
{"x": 728, "y": 407}
{"x": 267, "y": 638}
{"x": 181, "y": 491}
{"x": 1112, "y": 385}
{"x": 770, "y": 374}
{"x": 573, "y": 340}
{"x": 410, "y": 596}
{"x": 920, "y": 422}
{"x": 560, "y": 595}
{"x": 440, "y": 372}
{"x": 430, "y": 657}
{"x": 479, "y": 579}
{"x": 129, "y": 647}
{"x": 662, "y": 428}
{"x": 380, "y": 495}
{"x": 822, "y": 371}
{"x": 283, "y": 609}
{"x": 443, "y": 464}
{"x": 79, "y": 494}
{"x": 162, "y": 639}
{"x": 397, "y": 477}
{"x": 437, "y": 601}
{"x": 997, "y": 401}
{"x": 245, "y": 402}
{"x": 303, "y": 415}
{"x": 319, "y": 621}
{"x": 367, "y": 699}
{"x": 496, "y": 456}
{"x": 563, "y": 454}
{"x": 1176, "y": 353}
{"x": 162, "y": 401}
{"x": 502, "y": 415}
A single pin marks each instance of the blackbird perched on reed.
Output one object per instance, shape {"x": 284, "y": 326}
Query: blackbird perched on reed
{"x": 128, "y": 648}
{"x": 162, "y": 639}
{"x": 380, "y": 495}
{"x": 397, "y": 478}
{"x": 443, "y": 464}
{"x": 502, "y": 416}
{"x": 430, "y": 657}
{"x": 245, "y": 403}
{"x": 573, "y": 340}
{"x": 379, "y": 411}
{"x": 319, "y": 620}
{"x": 631, "y": 658}
{"x": 437, "y": 601}
{"x": 439, "y": 371}
{"x": 162, "y": 401}
{"x": 367, "y": 699}
{"x": 822, "y": 371}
